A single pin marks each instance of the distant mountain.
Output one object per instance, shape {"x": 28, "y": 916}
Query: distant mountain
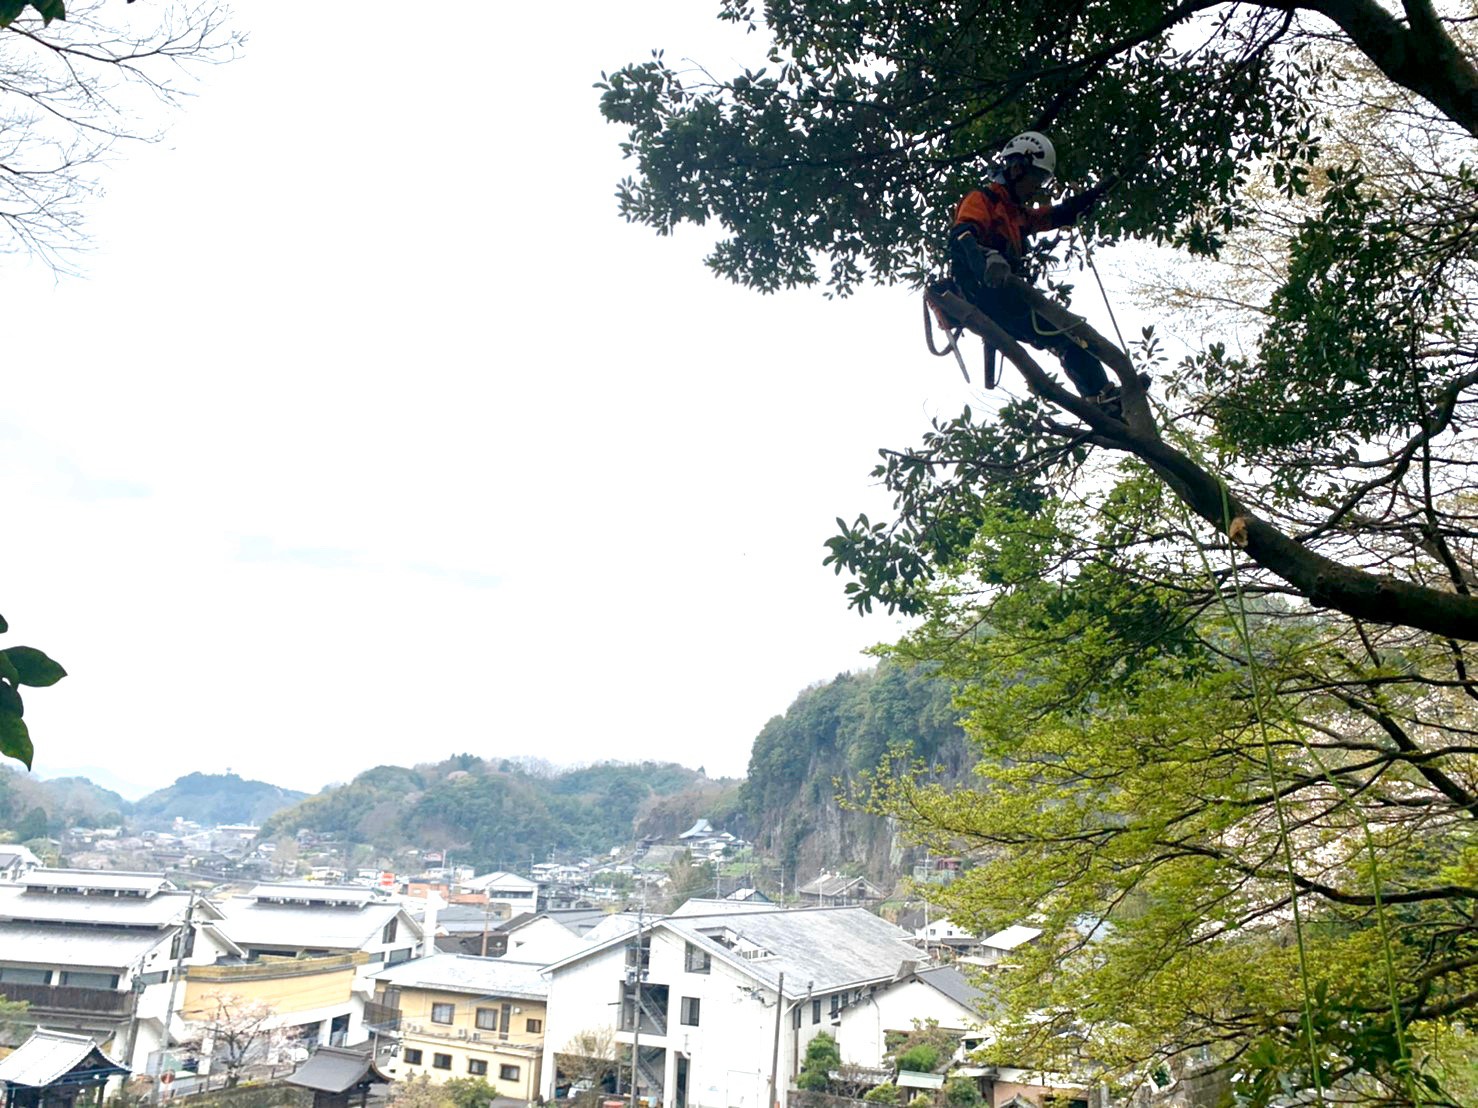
{"x": 101, "y": 776}
{"x": 63, "y": 801}
{"x": 213, "y": 798}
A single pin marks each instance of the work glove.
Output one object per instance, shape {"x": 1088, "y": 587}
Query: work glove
{"x": 997, "y": 269}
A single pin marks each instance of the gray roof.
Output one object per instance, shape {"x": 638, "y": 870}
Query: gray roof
{"x": 836, "y": 884}
{"x": 465, "y": 973}
{"x": 99, "y": 881}
{"x": 308, "y": 926}
{"x": 708, "y": 906}
{"x": 955, "y": 985}
{"x": 49, "y": 1055}
{"x": 336, "y": 1069}
{"x": 308, "y": 891}
{"x": 57, "y": 944}
{"x": 18, "y": 902}
{"x": 463, "y": 919}
{"x": 821, "y": 948}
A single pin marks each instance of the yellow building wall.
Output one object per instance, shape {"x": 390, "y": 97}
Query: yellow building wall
{"x": 285, "y": 985}
{"x": 523, "y": 1048}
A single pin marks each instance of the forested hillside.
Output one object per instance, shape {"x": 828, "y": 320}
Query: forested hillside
{"x": 832, "y": 734}
{"x": 496, "y": 813}
{"x": 214, "y": 798}
{"x": 31, "y": 807}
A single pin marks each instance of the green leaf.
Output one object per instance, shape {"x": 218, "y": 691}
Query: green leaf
{"x": 10, "y": 10}
{"x": 8, "y": 670}
{"x": 34, "y": 667}
{"x": 15, "y": 739}
{"x": 10, "y": 700}
{"x": 4, "y": 627}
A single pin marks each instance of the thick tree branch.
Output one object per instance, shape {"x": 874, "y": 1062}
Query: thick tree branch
{"x": 1377, "y": 598}
{"x": 1422, "y": 57}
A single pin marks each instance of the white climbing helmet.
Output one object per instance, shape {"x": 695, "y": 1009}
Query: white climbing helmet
{"x": 1036, "y": 148}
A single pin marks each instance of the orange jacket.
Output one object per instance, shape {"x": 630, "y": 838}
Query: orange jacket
{"x": 998, "y": 222}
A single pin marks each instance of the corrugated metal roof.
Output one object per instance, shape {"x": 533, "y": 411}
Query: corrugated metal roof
{"x": 54, "y": 944}
{"x": 465, "y": 973}
{"x": 307, "y": 926}
{"x": 49, "y": 1055}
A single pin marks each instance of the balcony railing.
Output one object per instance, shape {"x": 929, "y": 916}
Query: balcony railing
{"x": 381, "y": 1017}
{"x": 70, "y": 998}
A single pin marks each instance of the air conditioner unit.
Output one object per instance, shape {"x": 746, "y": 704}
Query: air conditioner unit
{"x": 477, "y": 1036}
{"x": 461, "y": 1032}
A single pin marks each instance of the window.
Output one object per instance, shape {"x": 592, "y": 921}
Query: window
{"x": 15, "y": 976}
{"x": 816, "y": 1010}
{"x": 189, "y": 944}
{"x": 689, "y": 1013}
{"x": 477, "y": 1067}
{"x": 388, "y": 935}
{"x": 697, "y": 960}
{"x": 80, "y": 980}
{"x": 487, "y": 1019}
{"x": 412, "y": 1056}
{"x": 507, "y": 1073}
{"x": 836, "y": 1005}
{"x": 533, "y": 1027}
{"x": 398, "y": 956}
{"x": 441, "y": 1061}
{"x": 443, "y": 1013}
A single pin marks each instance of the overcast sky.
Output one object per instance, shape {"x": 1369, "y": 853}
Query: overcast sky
{"x": 372, "y": 434}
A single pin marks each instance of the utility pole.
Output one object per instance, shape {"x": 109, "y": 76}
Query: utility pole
{"x": 186, "y": 933}
{"x": 775, "y": 1050}
{"x": 639, "y": 972}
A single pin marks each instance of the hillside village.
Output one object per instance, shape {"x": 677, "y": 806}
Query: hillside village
{"x": 347, "y": 988}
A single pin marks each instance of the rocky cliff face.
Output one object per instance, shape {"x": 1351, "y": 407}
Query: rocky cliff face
{"x": 830, "y": 737}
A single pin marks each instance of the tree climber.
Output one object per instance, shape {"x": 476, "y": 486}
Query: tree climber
{"x": 986, "y": 246}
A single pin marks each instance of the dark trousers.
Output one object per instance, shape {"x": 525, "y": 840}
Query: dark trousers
{"x": 1009, "y": 309}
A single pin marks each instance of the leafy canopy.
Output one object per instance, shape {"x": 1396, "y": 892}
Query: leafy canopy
{"x": 1214, "y": 654}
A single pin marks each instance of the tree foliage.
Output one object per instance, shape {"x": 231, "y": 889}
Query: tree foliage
{"x": 1214, "y": 653}
{"x": 21, "y": 667}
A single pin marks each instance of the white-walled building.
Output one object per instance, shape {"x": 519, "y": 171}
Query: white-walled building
{"x": 939, "y": 993}
{"x": 519, "y": 893}
{"x": 710, "y": 993}
{"x": 293, "y": 920}
{"x": 93, "y": 951}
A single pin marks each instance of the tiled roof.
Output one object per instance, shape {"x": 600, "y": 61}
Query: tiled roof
{"x": 48, "y": 1055}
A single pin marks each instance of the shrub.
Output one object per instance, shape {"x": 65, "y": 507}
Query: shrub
{"x": 882, "y": 1094}
{"x": 822, "y": 1056}
{"x": 921, "y": 1059}
{"x": 961, "y": 1092}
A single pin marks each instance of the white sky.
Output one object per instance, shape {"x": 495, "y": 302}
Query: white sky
{"x": 372, "y": 434}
